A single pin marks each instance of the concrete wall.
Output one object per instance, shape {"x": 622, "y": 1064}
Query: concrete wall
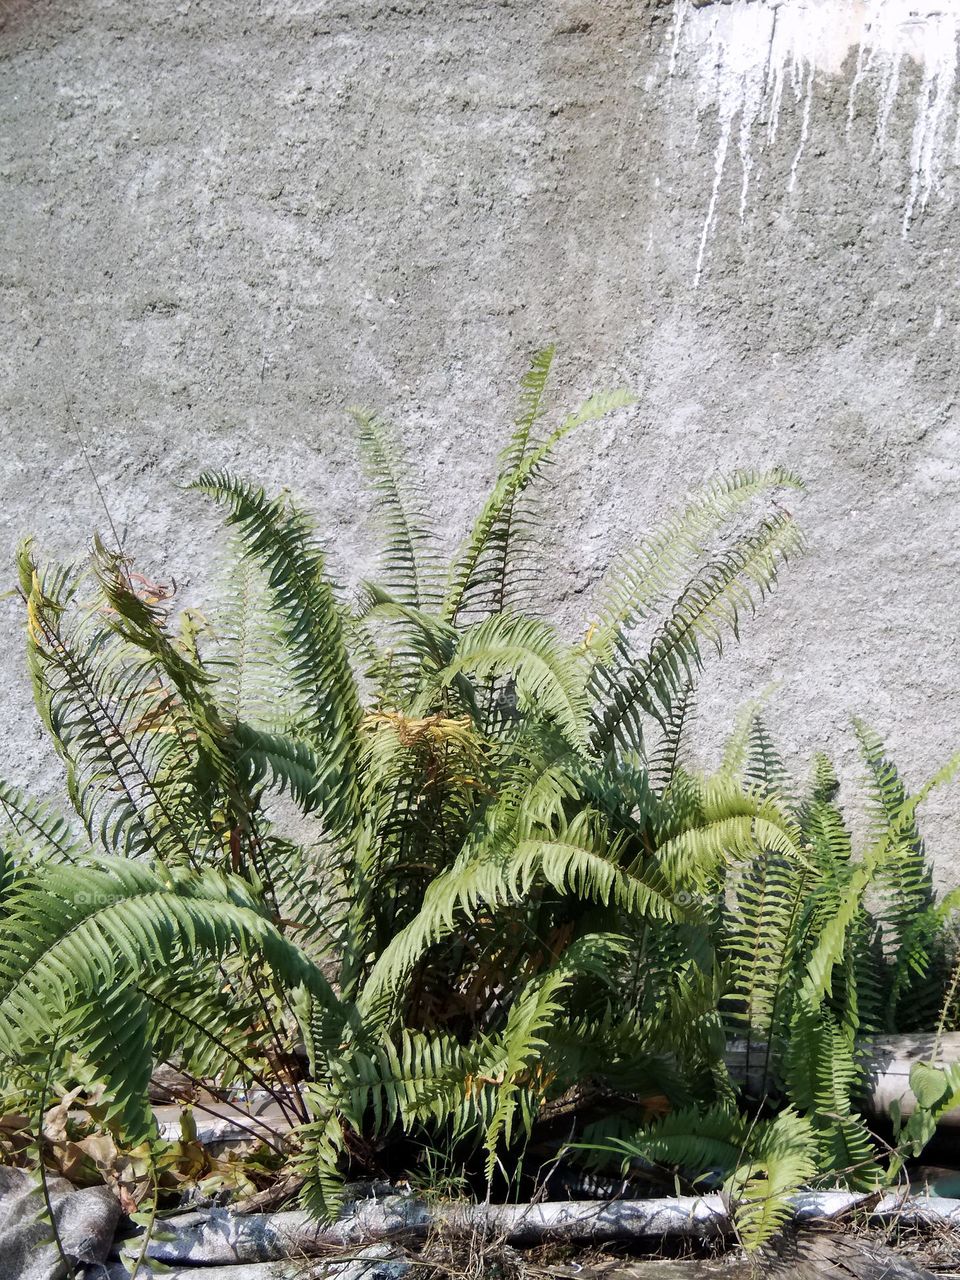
{"x": 222, "y": 221}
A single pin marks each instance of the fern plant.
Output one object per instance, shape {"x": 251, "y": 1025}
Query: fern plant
{"x": 416, "y": 846}
{"x": 816, "y": 949}
{"x": 811, "y": 949}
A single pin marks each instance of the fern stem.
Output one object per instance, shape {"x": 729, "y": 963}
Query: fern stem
{"x": 948, "y": 1000}
{"x": 75, "y": 670}
{"x": 224, "y": 1048}
{"x": 148, "y": 1229}
{"x": 42, "y": 1168}
{"x": 228, "y": 1102}
{"x": 778, "y": 991}
{"x": 299, "y": 1106}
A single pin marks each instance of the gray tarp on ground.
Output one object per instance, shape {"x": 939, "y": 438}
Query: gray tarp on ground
{"x": 375, "y": 1262}
{"x": 85, "y": 1219}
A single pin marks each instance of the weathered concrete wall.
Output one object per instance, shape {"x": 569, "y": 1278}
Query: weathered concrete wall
{"x": 222, "y": 221}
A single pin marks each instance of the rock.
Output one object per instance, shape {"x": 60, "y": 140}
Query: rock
{"x": 376, "y": 1262}
{"x": 86, "y": 1220}
{"x": 167, "y": 1083}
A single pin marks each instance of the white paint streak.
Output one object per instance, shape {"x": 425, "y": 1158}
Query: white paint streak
{"x": 855, "y": 85}
{"x": 887, "y": 100}
{"x": 720, "y": 160}
{"x": 743, "y": 53}
{"x": 681, "y": 9}
{"x": 939, "y": 78}
{"x": 804, "y": 131}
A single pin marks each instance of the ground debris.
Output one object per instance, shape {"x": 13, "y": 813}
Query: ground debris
{"x": 816, "y": 1254}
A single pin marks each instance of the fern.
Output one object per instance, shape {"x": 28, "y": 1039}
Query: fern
{"x": 78, "y": 941}
{"x": 408, "y": 563}
{"x": 547, "y": 678}
{"x": 478, "y": 575}
{"x": 462, "y": 868}
{"x": 762, "y": 1162}
{"x": 42, "y": 831}
{"x": 118, "y": 728}
{"x": 243, "y": 648}
{"x": 663, "y": 564}
{"x": 278, "y": 536}
{"x": 709, "y": 606}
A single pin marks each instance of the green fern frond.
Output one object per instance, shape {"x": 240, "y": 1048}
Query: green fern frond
{"x": 708, "y": 610}
{"x": 578, "y": 861}
{"x": 547, "y": 677}
{"x": 119, "y": 729}
{"x": 765, "y": 764}
{"x": 276, "y": 535}
{"x": 246, "y": 654}
{"x": 280, "y": 762}
{"x": 727, "y": 822}
{"x": 44, "y": 832}
{"x": 823, "y": 1078}
{"x": 669, "y": 755}
{"x": 762, "y": 1162}
{"x": 645, "y": 577}
{"x": 904, "y": 889}
{"x": 781, "y": 1161}
{"x": 750, "y": 753}
{"x": 321, "y": 1148}
{"x": 506, "y": 555}
{"x": 477, "y": 577}
{"x": 79, "y": 942}
{"x": 409, "y": 564}
{"x": 818, "y": 980}
{"x": 764, "y": 941}
{"x": 112, "y": 1028}
{"x": 525, "y": 1035}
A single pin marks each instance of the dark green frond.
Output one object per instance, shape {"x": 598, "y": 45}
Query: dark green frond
{"x": 279, "y": 537}
{"x": 44, "y": 832}
{"x": 709, "y": 609}
{"x": 409, "y": 564}
{"x": 479, "y": 575}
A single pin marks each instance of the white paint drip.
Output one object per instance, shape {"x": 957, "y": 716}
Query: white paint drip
{"x": 889, "y": 97}
{"x": 855, "y": 85}
{"x": 681, "y": 9}
{"x": 745, "y": 52}
{"x": 720, "y": 160}
{"x": 936, "y": 92}
{"x": 804, "y": 131}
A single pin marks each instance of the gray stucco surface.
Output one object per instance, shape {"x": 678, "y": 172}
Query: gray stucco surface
{"x": 224, "y": 221}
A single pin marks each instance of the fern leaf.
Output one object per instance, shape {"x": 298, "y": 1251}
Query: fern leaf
{"x": 709, "y": 609}
{"x": 478, "y": 574}
{"x": 408, "y": 562}
{"x": 45, "y": 832}
{"x": 278, "y": 536}
{"x": 781, "y": 1162}
{"x": 118, "y": 728}
{"x": 546, "y": 674}
{"x": 76, "y": 941}
{"x": 643, "y": 578}
{"x": 530, "y": 1017}
{"x": 578, "y": 862}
